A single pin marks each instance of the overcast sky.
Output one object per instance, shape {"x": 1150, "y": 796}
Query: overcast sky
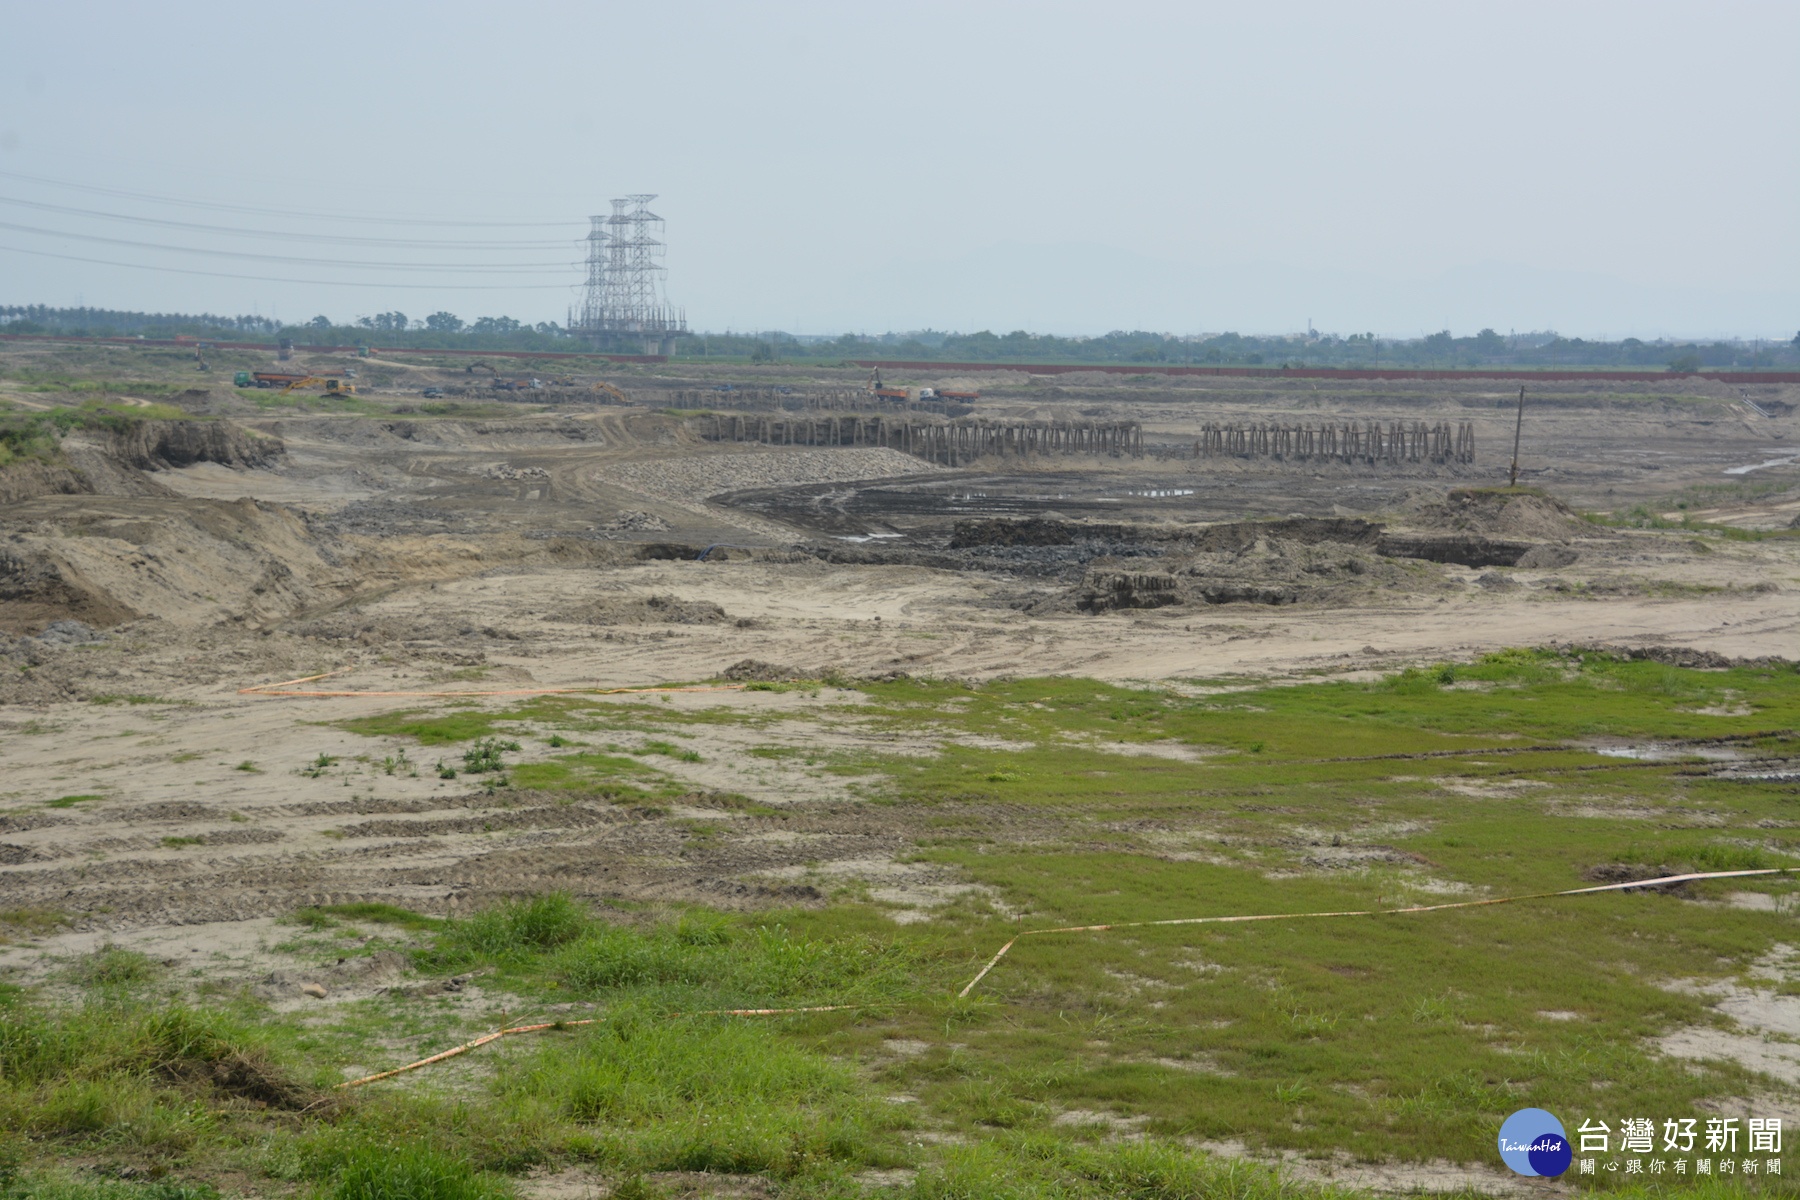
{"x": 1596, "y": 168}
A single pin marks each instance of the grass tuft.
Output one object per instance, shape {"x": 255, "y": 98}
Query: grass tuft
{"x": 113, "y": 966}
{"x": 411, "y": 1172}
{"x": 511, "y": 930}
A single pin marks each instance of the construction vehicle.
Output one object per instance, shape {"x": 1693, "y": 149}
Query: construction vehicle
{"x": 332, "y": 387}
{"x": 432, "y": 393}
{"x": 263, "y": 379}
{"x": 885, "y": 393}
{"x": 488, "y": 367}
{"x": 609, "y": 389}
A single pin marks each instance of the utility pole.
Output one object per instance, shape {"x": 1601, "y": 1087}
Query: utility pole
{"x": 1518, "y": 427}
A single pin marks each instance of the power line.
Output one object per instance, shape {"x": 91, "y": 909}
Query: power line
{"x": 482, "y": 268}
{"x": 283, "y": 235}
{"x": 286, "y": 212}
{"x": 460, "y": 287}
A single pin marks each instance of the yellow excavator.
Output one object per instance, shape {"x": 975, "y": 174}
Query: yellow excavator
{"x": 609, "y": 389}
{"x": 332, "y": 387}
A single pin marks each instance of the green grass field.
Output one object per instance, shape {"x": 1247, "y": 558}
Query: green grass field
{"x": 1087, "y": 1064}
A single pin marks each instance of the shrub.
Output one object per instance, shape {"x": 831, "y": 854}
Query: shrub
{"x": 485, "y": 755}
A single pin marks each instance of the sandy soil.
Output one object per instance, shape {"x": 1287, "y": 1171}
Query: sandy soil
{"x": 149, "y": 798}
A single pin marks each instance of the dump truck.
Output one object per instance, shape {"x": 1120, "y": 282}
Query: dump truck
{"x": 332, "y": 387}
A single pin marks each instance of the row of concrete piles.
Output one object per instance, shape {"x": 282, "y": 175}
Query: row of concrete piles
{"x": 1347, "y": 442}
{"x": 952, "y": 443}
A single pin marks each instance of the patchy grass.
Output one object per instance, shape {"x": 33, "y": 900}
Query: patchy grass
{"x": 613, "y": 775}
{"x": 26, "y": 436}
{"x": 440, "y": 729}
{"x": 1396, "y": 1038}
{"x": 30, "y": 922}
{"x": 383, "y": 914}
{"x": 113, "y": 966}
{"x": 318, "y": 766}
{"x": 671, "y": 750}
{"x": 72, "y": 801}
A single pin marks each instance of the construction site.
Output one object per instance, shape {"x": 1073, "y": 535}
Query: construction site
{"x": 258, "y": 618}
{"x": 1080, "y": 605}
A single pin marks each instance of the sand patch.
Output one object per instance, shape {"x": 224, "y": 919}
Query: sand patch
{"x": 910, "y": 890}
{"x": 1491, "y": 789}
{"x": 1767, "y": 1037}
{"x": 1437, "y": 1175}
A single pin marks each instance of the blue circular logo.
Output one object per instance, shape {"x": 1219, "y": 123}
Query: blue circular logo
{"x": 1532, "y": 1142}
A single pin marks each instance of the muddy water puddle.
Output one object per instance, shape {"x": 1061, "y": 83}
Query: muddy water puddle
{"x": 1669, "y": 751}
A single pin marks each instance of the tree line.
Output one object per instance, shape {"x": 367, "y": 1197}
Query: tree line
{"x": 447, "y": 330}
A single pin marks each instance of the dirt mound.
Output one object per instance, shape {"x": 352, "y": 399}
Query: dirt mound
{"x": 1103, "y": 591}
{"x": 1508, "y": 513}
{"x": 1268, "y": 571}
{"x": 105, "y": 560}
{"x": 159, "y": 445}
{"x": 646, "y": 610}
{"x": 1548, "y": 557}
{"x": 36, "y": 589}
{"x": 1241, "y": 535}
{"x": 1464, "y": 550}
{"x": 29, "y": 480}
{"x": 1683, "y": 656}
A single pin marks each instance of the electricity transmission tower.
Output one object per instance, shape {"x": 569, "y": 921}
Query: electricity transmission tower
{"x": 623, "y": 305}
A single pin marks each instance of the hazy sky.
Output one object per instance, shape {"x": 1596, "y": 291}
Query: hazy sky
{"x": 1600, "y": 169}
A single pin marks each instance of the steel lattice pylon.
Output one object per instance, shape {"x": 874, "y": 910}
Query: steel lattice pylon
{"x": 623, "y": 301}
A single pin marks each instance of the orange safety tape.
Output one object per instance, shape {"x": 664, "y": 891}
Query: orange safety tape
{"x": 1370, "y": 912}
{"x": 500, "y": 1033}
{"x": 270, "y": 689}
